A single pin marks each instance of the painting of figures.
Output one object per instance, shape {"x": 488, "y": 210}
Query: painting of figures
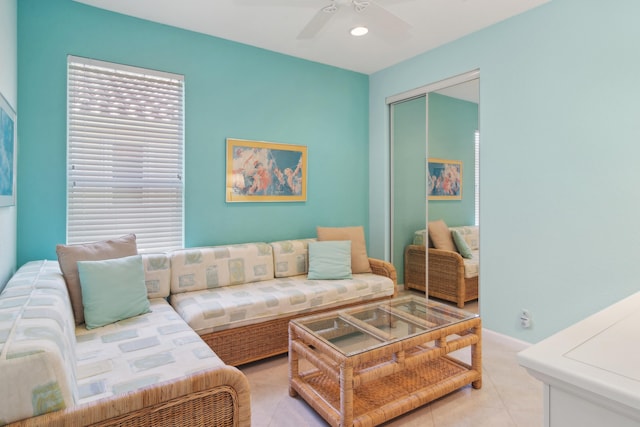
{"x": 444, "y": 179}
{"x": 265, "y": 172}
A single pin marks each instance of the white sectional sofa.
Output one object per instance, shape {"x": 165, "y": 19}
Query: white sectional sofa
{"x": 240, "y": 298}
{"x": 151, "y": 369}
{"x": 209, "y": 308}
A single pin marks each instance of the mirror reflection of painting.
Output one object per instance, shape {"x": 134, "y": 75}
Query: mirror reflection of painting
{"x": 7, "y": 148}
{"x": 444, "y": 179}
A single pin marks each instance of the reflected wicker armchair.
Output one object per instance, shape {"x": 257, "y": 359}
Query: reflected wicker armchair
{"x": 447, "y": 279}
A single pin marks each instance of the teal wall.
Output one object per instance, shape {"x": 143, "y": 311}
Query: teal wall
{"x": 232, "y": 90}
{"x": 558, "y": 160}
{"x": 452, "y": 126}
{"x": 409, "y": 155}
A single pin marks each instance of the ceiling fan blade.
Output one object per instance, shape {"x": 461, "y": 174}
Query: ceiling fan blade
{"x": 318, "y": 21}
{"x": 386, "y": 22}
{"x": 281, "y": 3}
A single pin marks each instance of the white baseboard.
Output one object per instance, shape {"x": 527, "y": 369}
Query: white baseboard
{"x": 505, "y": 337}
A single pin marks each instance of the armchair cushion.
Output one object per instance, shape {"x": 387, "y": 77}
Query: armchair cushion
{"x": 461, "y": 244}
{"x": 441, "y": 236}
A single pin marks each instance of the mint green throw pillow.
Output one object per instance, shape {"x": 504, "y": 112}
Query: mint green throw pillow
{"x": 461, "y": 244}
{"x": 112, "y": 290}
{"x": 330, "y": 259}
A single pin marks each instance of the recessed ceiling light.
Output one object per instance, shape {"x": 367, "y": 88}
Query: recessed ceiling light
{"x": 359, "y": 31}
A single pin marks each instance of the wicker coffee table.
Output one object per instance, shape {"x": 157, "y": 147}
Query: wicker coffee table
{"x": 371, "y": 363}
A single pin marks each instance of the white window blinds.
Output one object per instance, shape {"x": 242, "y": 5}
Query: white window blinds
{"x": 124, "y": 154}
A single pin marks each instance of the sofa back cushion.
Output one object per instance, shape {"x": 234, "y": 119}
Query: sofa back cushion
{"x": 291, "y": 257}
{"x": 197, "y": 269}
{"x": 157, "y": 275}
{"x": 421, "y": 238}
{"x": 37, "y": 343}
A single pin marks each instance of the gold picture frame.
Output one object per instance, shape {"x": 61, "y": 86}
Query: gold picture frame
{"x": 259, "y": 171}
{"x": 8, "y": 153}
{"x": 444, "y": 179}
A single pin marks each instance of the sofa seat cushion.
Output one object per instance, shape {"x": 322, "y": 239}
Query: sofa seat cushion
{"x": 472, "y": 265}
{"x": 223, "y": 308}
{"x": 138, "y": 352}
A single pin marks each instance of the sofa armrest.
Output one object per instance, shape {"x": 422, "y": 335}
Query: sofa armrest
{"x": 445, "y": 262}
{"x": 446, "y": 268}
{"x": 446, "y": 276}
{"x": 384, "y": 268}
{"x": 217, "y": 397}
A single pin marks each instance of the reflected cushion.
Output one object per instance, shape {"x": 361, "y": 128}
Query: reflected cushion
{"x": 461, "y": 245}
{"x": 441, "y": 236}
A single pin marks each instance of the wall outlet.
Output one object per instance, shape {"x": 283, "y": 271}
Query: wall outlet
{"x": 525, "y": 318}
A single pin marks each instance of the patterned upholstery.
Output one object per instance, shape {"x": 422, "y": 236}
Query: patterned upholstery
{"x": 138, "y": 352}
{"x": 291, "y": 257}
{"x": 226, "y": 307}
{"x": 471, "y": 235}
{"x": 37, "y": 344}
{"x": 197, "y": 269}
{"x": 419, "y": 237}
{"x": 47, "y": 364}
{"x": 224, "y": 303}
{"x": 157, "y": 275}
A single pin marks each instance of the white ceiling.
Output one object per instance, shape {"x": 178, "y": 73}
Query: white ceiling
{"x": 276, "y": 24}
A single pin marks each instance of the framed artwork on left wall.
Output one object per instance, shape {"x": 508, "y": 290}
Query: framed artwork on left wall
{"x": 8, "y": 132}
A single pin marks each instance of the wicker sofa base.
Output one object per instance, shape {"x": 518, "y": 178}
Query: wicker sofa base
{"x": 446, "y": 275}
{"x": 244, "y": 344}
{"x": 250, "y": 343}
{"x": 218, "y": 398}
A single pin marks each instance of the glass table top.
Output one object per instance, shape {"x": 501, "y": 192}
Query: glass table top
{"x": 362, "y": 328}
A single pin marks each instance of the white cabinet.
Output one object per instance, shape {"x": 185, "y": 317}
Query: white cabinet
{"x": 591, "y": 370}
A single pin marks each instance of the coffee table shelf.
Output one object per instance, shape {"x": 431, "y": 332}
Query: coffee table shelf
{"x": 372, "y": 363}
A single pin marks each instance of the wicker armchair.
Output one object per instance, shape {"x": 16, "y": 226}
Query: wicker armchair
{"x": 446, "y": 275}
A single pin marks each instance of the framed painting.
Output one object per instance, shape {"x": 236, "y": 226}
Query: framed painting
{"x": 8, "y": 132}
{"x": 260, "y": 171}
{"x": 444, "y": 179}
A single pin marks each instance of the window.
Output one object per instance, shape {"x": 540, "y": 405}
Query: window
{"x": 476, "y": 177}
{"x": 124, "y": 154}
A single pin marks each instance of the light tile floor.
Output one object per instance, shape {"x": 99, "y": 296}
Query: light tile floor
{"x": 509, "y": 396}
